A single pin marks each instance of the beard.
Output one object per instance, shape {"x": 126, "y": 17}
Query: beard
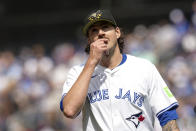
{"x": 108, "y": 53}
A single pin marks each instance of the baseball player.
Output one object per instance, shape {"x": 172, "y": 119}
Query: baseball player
{"x": 116, "y": 91}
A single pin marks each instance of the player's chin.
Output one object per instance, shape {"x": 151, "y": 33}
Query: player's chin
{"x": 106, "y": 53}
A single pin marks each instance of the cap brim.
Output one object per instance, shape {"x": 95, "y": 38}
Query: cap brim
{"x": 89, "y": 24}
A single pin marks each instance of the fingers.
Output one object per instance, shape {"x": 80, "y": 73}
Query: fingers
{"x": 99, "y": 41}
{"x": 102, "y": 39}
{"x": 97, "y": 48}
{"x": 99, "y": 45}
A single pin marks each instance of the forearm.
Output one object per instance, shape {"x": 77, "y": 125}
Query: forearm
{"x": 171, "y": 126}
{"x": 76, "y": 97}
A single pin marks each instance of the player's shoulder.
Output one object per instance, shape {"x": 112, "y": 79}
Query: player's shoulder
{"x": 80, "y": 66}
{"x": 140, "y": 65}
{"x": 76, "y": 68}
{"x": 138, "y": 61}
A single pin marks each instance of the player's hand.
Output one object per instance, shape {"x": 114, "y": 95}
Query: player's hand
{"x": 97, "y": 49}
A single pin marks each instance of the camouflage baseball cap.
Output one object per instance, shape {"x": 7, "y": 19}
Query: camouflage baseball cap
{"x": 99, "y": 15}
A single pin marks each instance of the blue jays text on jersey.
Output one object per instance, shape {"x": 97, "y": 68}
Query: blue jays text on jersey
{"x": 100, "y": 95}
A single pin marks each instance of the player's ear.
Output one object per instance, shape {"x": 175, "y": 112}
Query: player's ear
{"x": 118, "y": 33}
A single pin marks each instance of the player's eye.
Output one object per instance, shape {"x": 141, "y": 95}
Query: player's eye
{"x": 94, "y": 30}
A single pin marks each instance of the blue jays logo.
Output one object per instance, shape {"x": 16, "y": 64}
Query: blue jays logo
{"x": 136, "y": 119}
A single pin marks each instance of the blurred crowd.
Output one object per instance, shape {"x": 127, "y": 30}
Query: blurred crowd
{"x": 30, "y": 89}
{"x": 31, "y": 81}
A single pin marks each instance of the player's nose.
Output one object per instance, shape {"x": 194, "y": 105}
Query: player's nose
{"x": 101, "y": 33}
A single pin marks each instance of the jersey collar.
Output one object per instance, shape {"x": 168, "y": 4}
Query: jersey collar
{"x": 124, "y": 58}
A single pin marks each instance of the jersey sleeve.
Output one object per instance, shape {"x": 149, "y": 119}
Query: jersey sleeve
{"x": 160, "y": 97}
{"x": 71, "y": 78}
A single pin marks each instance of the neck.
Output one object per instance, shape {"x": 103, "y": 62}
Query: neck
{"x": 112, "y": 60}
